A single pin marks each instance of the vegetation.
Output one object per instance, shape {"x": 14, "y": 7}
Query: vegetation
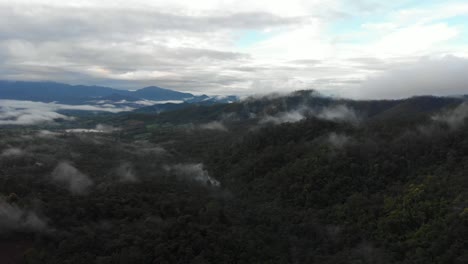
{"x": 302, "y": 179}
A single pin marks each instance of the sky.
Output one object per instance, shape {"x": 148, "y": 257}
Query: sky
{"x": 348, "y": 48}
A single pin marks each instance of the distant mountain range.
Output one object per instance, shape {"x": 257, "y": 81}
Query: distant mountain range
{"x": 82, "y": 94}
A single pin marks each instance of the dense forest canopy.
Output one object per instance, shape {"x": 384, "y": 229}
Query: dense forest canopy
{"x": 296, "y": 178}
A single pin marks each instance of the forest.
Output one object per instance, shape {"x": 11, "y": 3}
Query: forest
{"x": 297, "y": 178}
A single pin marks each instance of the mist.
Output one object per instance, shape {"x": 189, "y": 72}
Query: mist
{"x": 71, "y": 178}
{"x": 215, "y": 125}
{"x": 13, "y": 218}
{"x": 13, "y": 112}
{"x": 454, "y": 118}
{"x": 12, "y": 152}
{"x": 335, "y": 113}
{"x": 338, "y": 140}
{"x": 193, "y": 171}
{"x": 125, "y": 173}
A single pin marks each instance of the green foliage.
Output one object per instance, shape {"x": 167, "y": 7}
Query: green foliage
{"x": 389, "y": 194}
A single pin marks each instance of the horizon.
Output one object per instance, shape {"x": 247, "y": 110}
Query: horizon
{"x": 240, "y": 96}
{"x": 364, "y": 49}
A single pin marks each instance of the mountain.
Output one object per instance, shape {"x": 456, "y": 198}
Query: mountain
{"x": 82, "y": 94}
{"x": 291, "y": 179}
{"x": 160, "y": 94}
{"x": 288, "y": 179}
{"x": 52, "y": 91}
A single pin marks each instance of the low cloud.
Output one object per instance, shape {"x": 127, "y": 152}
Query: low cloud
{"x": 47, "y": 134}
{"x": 340, "y": 113}
{"x": 13, "y": 112}
{"x": 193, "y": 171}
{"x": 12, "y": 152}
{"x": 125, "y": 173}
{"x": 215, "y": 125}
{"x": 454, "y": 118}
{"x": 13, "y": 218}
{"x": 337, "y": 113}
{"x": 100, "y": 128}
{"x": 338, "y": 140}
{"x": 70, "y": 178}
{"x": 18, "y": 116}
{"x": 284, "y": 117}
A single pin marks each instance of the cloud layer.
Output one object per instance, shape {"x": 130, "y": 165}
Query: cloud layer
{"x": 224, "y": 47}
{"x": 13, "y": 112}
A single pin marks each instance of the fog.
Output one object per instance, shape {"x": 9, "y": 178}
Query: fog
{"x": 454, "y": 118}
{"x": 192, "y": 171}
{"x": 13, "y": 218}
{"x": 338, "y": 140}
{"x": 125, "y": 173}
{"x": 70, "y": 178}
{"x": 13, "y": 112}
{"x": 336, "y": 113}
{"x": 214, "y": 125}
{"x": 12, "y": 152}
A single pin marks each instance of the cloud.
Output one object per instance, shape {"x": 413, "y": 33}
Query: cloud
{"x": 47, "y": 134}
{"x": 100, "y": 128}
{"x": 454, "y": 118}
{"x": 336, "y": 113}
{"x": 125, "y": 173}
{"x": 193, "y": 171}
{"x": 338, "y": 140}
{"x": 13, "y": 112}
{"x": 221, "y": 47}
{"x": 70, "y": 178}
{"x": 12, "y": 152}
{"x": 284, "y": 117}
{"x": 13, "y": 218}
{"x": 340, "y": 113}
{"x": 428, "y": 76}
{"x": 18, "y": 116}
{"x": 215, "y": 125}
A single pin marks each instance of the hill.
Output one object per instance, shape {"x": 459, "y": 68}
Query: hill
{"x": 81, "y": 94}
{"x": 300, "y": 178}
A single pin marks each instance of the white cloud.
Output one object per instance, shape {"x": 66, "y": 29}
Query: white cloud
{"x": 193, "y": 171}
{"x": 70, "y": 178}
{"x": 13, "y": 112}
{"x": 454, "y": 118}
{"x": 215, "y": 125}
{"x": 335, "y": 113}
{"x": 428, "y": 76}
{"x": 12, "y": 152}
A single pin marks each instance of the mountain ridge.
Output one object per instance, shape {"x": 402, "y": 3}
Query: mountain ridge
{"x": 79, "y": 94}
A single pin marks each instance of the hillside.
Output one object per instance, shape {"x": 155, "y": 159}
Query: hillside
{"x": 81, "y": 94}
{"x": 299, "y": 178}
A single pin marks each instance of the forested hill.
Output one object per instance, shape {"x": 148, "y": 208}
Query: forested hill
{"x": 279, "y": 179}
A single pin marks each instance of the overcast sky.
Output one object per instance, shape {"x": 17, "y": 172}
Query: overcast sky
{"x": 353, "y": 48}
